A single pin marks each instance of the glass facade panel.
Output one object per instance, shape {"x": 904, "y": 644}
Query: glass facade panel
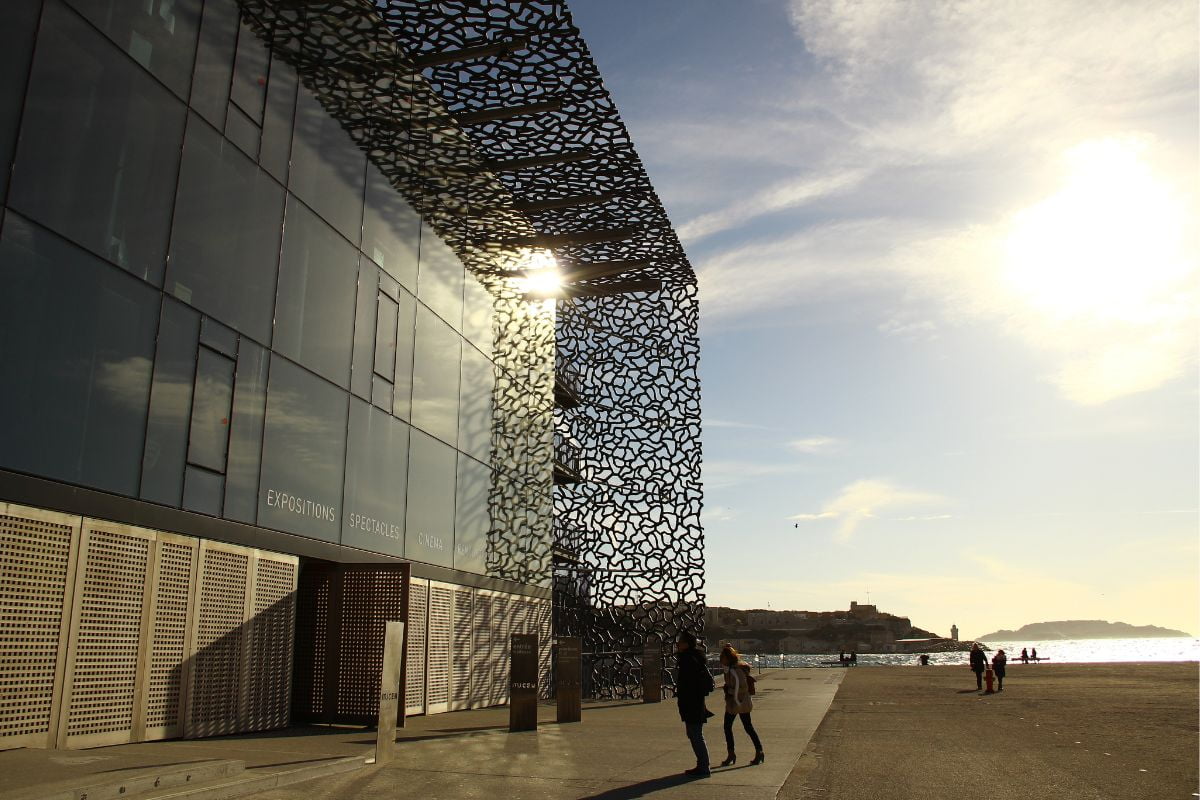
{"x": 159, "y": 34}
{"x": 318, "y": 281}
{"x": 362, "y": 366}
{"x": 225, "y": 242}
{"x": 99, "y": 147}
{"x": 478, "y": 315}
{"x": 441, "y": 278}
{"x": 78, "y": 336}
{"x": 435, "y": 377}
{"x": 246, "y": 432}
{"x": 202, "y": 491}
{"x": 240, "y": 130}
{"x": 406, "y": 330}
{"x": 170, "y": 404}
{"x": 327, "y": 167}
{"x": 250, "y": 63}
{"x": 276, "y": 150}
{"x": 391, "y": 230}
{"x": 304, "y": 453}
{"x": 376, "y": 480}
{"x": 211, "y": 404}
{"x": 218, "y": 337}
{"x": 385, "y": 337}
{"x": 429, "y": 530}
{"x": 18, "y": 21}
{"x": 214, "y": 60}
{"x": 475, "y": 404}
{"x": 472, "y": 518}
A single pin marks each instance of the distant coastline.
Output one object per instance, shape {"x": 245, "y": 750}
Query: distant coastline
{"x": 1083, "y": 629}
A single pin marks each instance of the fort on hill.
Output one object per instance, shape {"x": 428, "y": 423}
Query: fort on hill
{"x": 861, "y": 629}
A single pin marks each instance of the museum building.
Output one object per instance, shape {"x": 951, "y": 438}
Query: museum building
{"x": 279, "y": 364}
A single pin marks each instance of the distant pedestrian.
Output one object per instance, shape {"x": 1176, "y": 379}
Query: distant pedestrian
{"x": 999, "y": 662}
{"x": 978, "y": 664}
{"x": 738, "y": 703}
{"x": 1033, "y": 655}
{"x": 1024, "y": 655}
{"x": 854, "y": 658}
{"x": 692, "y": 683}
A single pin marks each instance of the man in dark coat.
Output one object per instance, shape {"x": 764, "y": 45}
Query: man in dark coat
{"x": 978, "y": 664}
{"x": 692, "y": 683}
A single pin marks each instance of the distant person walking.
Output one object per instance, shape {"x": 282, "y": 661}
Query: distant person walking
{"x": 999, "y": 662}
{"x": 978, "y": 664}
{"x": 1033, "y": 655}
{"x": 692, "y": 683}
{"x": 1024, "y": 655}
{"x": 738, "y": 703}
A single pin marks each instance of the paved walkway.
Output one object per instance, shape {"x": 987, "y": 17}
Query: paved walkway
{"x": 624, "y": 750}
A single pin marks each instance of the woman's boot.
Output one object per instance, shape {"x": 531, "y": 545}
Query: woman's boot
{"x": 759, "y": 757}
{"x": 729, "y": 760}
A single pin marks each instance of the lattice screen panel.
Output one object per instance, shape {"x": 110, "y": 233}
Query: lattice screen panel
{"x": 269, "y": 669}
{"x": 36, "y": 574}
{"x": 102, "y": 671}
{"x": 418, "y": 610}
{"x": 462, "y": 650}
{"x": 437, "y": 673}
{"x": 169, "y": 644}
{"x": 313, "y": 623}
{"x": 216, "y": 675}
{"x": 485, "y": 667}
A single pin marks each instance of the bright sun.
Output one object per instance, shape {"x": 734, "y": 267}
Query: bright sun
{"x": 1109, "y": 246}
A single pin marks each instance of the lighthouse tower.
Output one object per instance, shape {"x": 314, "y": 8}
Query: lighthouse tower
{"x": 954, "y": 632}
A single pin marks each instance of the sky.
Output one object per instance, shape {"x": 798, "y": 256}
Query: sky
{"x": 949, "y": 285}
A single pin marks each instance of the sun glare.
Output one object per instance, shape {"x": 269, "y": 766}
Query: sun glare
{"x": 1109, "y": 245}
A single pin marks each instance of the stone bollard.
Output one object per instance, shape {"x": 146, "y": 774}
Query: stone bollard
{"x": 988, "y": 677}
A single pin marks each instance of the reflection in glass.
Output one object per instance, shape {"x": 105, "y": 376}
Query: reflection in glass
{"x": 385, "y": 337}
{"x": 78, "y": 336}
{"x": 327, "y": 167}
{"x": 202, "y": 491}
{"x": 245, "y": 432}
{"x": 240, "y": 130}
{"x": 478, "y": 316}
{"x": 435, "y": 377}
{"x": 159, "y": 34}
{"x": 475, "y": 404}
{"x": 99, "y": 147}
{"x": 218, "y": 337}
{"x": 362, "y": 367}
{"x": 276, "y": 147}
{"x": 225, "y": 243}
{"x": 472, "y": 519}
{"x": 391, "y": 230}
{"x": 170, "y": 404}
{"x": 211, "y": 401}
{"x": 318, "y": 279}
{"x": 304, "y": 453}
{"x": 214, "y": 60}
{"x": 429, "y": 531}
{"x": 376, "y": 480}
{"x": 18, "y": 24}
{"x": 406, "y": 324}
{"x": 441, "y": 278}
{"x": 249, "y": 89}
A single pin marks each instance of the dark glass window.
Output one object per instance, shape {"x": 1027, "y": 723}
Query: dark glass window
{"x": 475, "y": 404}
{"x": 202, "y": 491}
{"x": 218, "y": 337}
{"x": 391, "y": 230}
{"x": 276, "y": 147}
{"x": 432, "y": 473}
{"x": 170, "y": 404}
{"x": 242, "y": 131}
{"x": 376, "y": 480}
{"x": 225, "y": 243}
{"x": 159, "y": 34}
{"x": 99, "y": 147}
{"x": 435, "y": 377}
{"x": 77, "y": 337}
{"x": 211, "y": 407}
{"x": 327, "y": 167}
{"x": 304, "y": 453}
{"x": 385, "y": 337}
{"x": 214, "y": 60}
{"x": 363, "y": 366}
{"x": 472, "y": 518}
{"x": 249, "y": 89}
{"x": 245, "y": 432}
{"x": 318, "y": 277}
{"x": 18, "y": 26}
{"x": 441, "y": 277}
{"x": 406, "y": 331}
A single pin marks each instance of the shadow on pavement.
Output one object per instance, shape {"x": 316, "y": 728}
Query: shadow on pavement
{"x": 642, "y": 789}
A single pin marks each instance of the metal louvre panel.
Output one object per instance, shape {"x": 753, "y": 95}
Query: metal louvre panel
{"x": 102, "y": 667}
{"x": 414, "y": 688}
{"x": 36, "y": 573}
{"x": 544, "y": 613}
{"x": 485, "y": 661}
{"x": 173, "y": 585}
{"x": 269, "y": 669}
{"x": 216, "y": 677}
{"x": 437, "y": 674}
{"x": 460, "y": 659}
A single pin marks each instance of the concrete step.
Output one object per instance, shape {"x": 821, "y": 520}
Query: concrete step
{"x": 255, "y": 780}
{"x": 135, "y": 783}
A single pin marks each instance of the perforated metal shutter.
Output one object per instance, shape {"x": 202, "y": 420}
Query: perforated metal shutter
{"x": 418, "y": 610}
{"x": 175, "y": 576}
{"x": 437, "y": 673}
{"x": 37, "y": 571}
{"x": 216, "y": 677}
{"x": 268, "y": 670}
{"x": 543, "y": 627}
{"x": 461, "y": 655}
{"x": 111, "y": 594}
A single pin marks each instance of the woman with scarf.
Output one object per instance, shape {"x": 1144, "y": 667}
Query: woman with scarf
{"x": 738, "y": 703}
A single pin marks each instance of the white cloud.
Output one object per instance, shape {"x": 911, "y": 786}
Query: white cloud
{"x": 864, "y": 500}
{"x": 725, "y": 423}
{"x": 721, "y": 474}
{"x": 815, "y": 445}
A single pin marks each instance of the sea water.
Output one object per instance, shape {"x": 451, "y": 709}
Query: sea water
{"x": 1058, "y": 651}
